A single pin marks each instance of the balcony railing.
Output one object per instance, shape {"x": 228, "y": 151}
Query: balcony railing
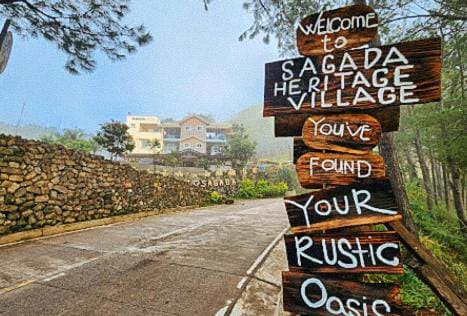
{"x": 212, "y": 136}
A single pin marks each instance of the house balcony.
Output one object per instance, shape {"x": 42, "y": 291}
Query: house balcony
{"x": 216, "y": 138}
{"x": 171, "y": 138}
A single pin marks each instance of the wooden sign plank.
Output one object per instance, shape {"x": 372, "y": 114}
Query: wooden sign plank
{"x": 377, "y": 77}
{"x": 299, "y": 148}
{"x": 314, "y": 295}
{"x": 337, "y": 30}
{"x": 365, "y": 252}
{"x": 315, "y": 169}
{"x": 291, "y": 124}
{"x": 343, "y": 206}
{"x": 348, "y": 133}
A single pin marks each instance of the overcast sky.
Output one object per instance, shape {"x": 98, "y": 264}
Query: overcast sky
{"x": 194, "y": 64}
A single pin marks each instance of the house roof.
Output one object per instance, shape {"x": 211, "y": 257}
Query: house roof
{"x": 193, "y": 136}
{"x": 197, "y": 117}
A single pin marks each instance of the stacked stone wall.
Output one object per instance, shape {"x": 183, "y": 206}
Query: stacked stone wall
{"x": 44, "y": 185}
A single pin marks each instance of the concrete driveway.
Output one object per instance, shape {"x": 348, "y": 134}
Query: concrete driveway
{"x": 195, "y": 262}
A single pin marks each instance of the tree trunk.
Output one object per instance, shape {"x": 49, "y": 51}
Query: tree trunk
{"x": 457, "y": 194}
{"x": 439, "y": 178}
{"x": 411, "y": 164}
{"x": 425, "y": 171}
{"x": 433, "y": 176}
{"x": 389, "y": 154}
{"x": 463, "y": 188}
{"x": 446, "y": 185}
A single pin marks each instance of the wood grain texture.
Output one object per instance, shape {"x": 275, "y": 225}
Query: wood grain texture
{"x": 381, "y": 197}
{"x": 365, "y": 239}
{"x": 347, "y": 133}
{"x": 299, "y": 148}
{"x": 293, "y": 301}
{"x": 313, "y": 177}
{"x": 424, "y": 55}
{"x": 311, "y": 44}
{"x": 288, "y": 125}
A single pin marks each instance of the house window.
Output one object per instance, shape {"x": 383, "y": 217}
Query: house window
{"x": 145, "y": 143}
{"x": 132, "y": 125}
{"x": 199, "y": 145}
{"x": 188, "y": 128}
{"x": 187, "y": 145}
{"x": 200, "y": 128}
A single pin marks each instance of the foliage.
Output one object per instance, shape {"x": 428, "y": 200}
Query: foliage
{"x": 414, "y": 292}
{"x": 78, "y": 28}
{"x": 73, "y": 139}
{"x": 203, "y": 162}
{"x": 440, "y": 232}
{"x": 239, "y": 149}
{"x": 168, "y": 120}
{"x": 114, "y": 138}
{"x": 398, "y": 19}
{"x": 283, "y": 173}
{"x": 215, "y": 197}
{"x": 261, "y": 131}
{"x": 156, "y": 145}
{"x": 417, "y": 294}
{"x": 261, "y": 189}
{"x": 174, "y": 159}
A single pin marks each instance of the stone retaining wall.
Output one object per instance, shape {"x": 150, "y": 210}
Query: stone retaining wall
{"x": 45, "y": 185}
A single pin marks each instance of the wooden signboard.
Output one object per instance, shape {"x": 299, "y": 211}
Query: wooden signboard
{"x": 299, "y": 149}
{"x": 319, "y": 296}
{"x": 365, "y": 252}
{"x": 315, "y": 169}
{"x": 348, "y": 133}
{"x": 343, "y": 206}
{"x": 289, "y": 125}
{"x": 336, "y": 30}
{"x": 403, "y": 73}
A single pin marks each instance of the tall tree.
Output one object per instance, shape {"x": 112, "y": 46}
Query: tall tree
{"x": 156, "y": 147}
{"x": 114, "y": 137}
{"x": 79, "y": 28}
{"x": 239, "y": 149}
{"x": 73, "y": 139}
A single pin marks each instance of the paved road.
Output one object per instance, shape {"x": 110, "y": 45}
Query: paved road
{"x": 188, "y": 263}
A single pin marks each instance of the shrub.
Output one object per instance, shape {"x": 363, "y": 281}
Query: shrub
{"x": 261, "y": 189}
{"x": 215, "y": 197}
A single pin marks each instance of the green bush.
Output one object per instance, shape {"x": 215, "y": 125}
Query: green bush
{"x": 439, "y": 224}
{"x": 215, "y": 197}
{"x": 261, "y": 189}
{"x": 440, "y": 233}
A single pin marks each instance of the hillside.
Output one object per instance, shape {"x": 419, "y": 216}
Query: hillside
{"x": 26, "y": 131}
{"x": 261, "y": 130}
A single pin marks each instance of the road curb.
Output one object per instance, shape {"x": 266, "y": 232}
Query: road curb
{"x": 66, "y": 228}
{"x": 262, "y": 263}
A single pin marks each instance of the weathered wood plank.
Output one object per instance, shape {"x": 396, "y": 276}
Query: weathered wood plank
{"x": 299, "y": 148}
{"x": 288, "y": 125}
{"x": 343, "y": 206}
{"x": 363, "y": 252}
{"x": 358, "y": 24}
{"x": 315, "y": 169}
{"x": 405, "y": 73}
{"x": 314, "y": 295}
{"x": 347, "y": 133}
